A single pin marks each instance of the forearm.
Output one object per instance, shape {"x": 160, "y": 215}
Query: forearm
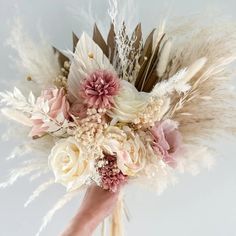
{"x": 82, "y": 224}
{"x": 96, "y": 206}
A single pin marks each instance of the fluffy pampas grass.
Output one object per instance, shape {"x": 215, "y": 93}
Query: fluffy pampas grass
{"x": 39, "y": 190}
{"x": 60, "y": 204}
{"x": 36, "y": 60}
{"x": 208, "y": 108}
{"x": 28, "y": 168}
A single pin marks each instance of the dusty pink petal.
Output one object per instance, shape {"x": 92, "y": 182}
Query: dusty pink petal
{"x": 167, "y": 141}
{"x": 56, "y": 105}
{"x": 56, "y": 102}
{"x": 160, "y": 149}
{"x": 174, "y": 139}
{"x": 171, "y": 161}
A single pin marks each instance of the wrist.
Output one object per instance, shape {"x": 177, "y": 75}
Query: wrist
{"x": 81, "y": 225}
{"x": 86, "y": 223}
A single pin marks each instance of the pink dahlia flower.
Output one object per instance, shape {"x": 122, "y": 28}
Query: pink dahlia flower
{"x": 111, "y": 177}
{"x": 99, "y": 88}
{"x": 58, "y": 104}
{"x": 167, "y": 141}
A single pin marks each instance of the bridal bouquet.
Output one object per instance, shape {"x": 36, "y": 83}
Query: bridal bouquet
{"x": 124, "y": 109}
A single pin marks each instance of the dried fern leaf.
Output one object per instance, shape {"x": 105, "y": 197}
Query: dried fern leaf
{"x": 136, "y": 42}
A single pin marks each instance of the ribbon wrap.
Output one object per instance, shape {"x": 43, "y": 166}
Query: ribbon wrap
{"x": 116, "y": 220}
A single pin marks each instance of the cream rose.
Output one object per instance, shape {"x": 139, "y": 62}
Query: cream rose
{"x": 128, "y": 104}
{"x": 127, "y": 147}
{"x": 69, "y": 164}
{"x": 132, "y": 158}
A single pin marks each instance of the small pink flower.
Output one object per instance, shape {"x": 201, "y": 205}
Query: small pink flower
{"x": 57, "y": 102}
{"x": 111, "y": 177}
{"x": 99, "y": 88}
{"x": 167, "y": 141}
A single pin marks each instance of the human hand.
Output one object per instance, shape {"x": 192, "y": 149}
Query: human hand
{"x": 96, "y": 206}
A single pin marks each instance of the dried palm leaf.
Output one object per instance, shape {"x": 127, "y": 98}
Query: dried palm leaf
{"x": 99, "y": 40}
{"x": 111, "y": 43}
{"x": 150, "y": 75}
{"x": 75, "y": 40}
{"x": 144, "y": 60}
{"x": 61, "y": 57}
{"x": 137, "y": 37}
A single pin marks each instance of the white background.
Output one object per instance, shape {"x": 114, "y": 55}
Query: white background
{"x": 197, "y": 206}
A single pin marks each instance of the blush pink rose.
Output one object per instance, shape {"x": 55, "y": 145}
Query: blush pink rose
{"x": 167, "y": 141}
{"x": 58, "y": 104}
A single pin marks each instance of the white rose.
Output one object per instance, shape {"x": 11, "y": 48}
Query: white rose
{"x": 128, "y": 104}
{"x": 69, "y": 164}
